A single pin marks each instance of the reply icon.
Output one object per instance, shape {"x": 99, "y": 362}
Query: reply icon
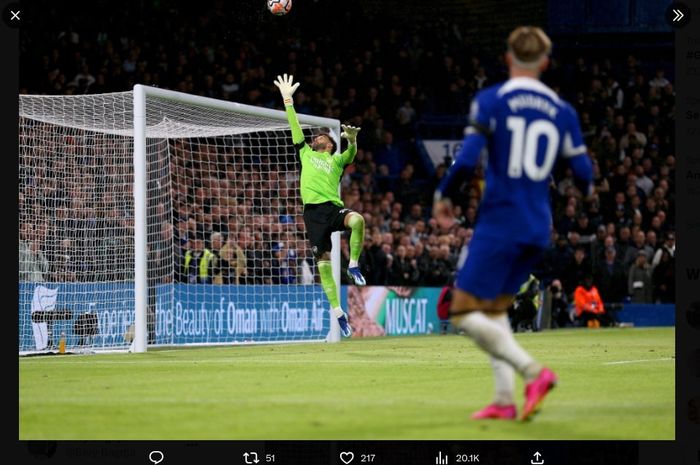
{"x": 156, "y": 457}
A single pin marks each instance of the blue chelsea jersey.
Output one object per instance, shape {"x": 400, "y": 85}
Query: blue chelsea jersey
{"x": 527, "y": 127}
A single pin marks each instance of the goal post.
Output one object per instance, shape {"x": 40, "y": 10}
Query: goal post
{"x": 154, "y": 217}
{"x": 140, "y": 222}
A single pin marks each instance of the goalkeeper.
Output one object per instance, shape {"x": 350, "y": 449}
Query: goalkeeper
{"x": 324, "y": 212}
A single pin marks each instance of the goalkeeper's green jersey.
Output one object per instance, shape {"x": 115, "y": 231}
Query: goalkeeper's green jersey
{"x": 320, "y": 171}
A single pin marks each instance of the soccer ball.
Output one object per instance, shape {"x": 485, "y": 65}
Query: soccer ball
{"x": 279, "y": 7}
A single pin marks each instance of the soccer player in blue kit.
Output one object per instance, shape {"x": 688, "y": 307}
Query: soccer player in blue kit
{"x": 522, "y": 126}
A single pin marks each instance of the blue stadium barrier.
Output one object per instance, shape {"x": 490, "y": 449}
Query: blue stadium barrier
{"x": 647, "y": 314}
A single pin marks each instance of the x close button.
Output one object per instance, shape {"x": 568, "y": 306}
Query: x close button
{"x": 12, "y": 15}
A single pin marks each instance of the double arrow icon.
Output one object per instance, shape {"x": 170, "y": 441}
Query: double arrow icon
{"x": 679, "y": 15}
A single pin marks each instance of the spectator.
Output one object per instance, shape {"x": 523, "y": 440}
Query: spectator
{"x": 414, "y": 214}
{"x": 552, "y": 259}
{"x": 643, "y": 181}
{"x": 219, "y": 273}
{"x": 196, "y": 266}
{"x": 33, "y": 265}
{"x": 233, "y": 262}
{"x": 407, "y": 189}
{"x": 405, "y": 117}
{"x": 659, "y": 80}
{"x": 610, "y": 278}
{"x": 437, "y": 271}
{"x": 664, "y": 278}
{"x": 378, "y": 270}
{"x": 65, "y": 266}
{"x": 639, "y": 280}
{"x": 566, "y": 182}
{"x": 389, "y": 155}
{"x": 632, "y": 138}
{"x": 669, "y": 245}
{"x": 230, "y": 88}
{"x": 652, "y": 241}
{"x": 576, "y": 270}
{"x": 624, "y": 243}
{"x": 599, "y": 244}
{"x": 284, "y": 264}
{"x": 584, "y": 228}
{"x": 480, "y": 78}
{"x": 568, "y": 221}
{"x": 639, "y": 245}
{"x": 404, "y": 271}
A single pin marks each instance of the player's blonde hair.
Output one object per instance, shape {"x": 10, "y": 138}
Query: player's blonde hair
{"x": 528, "y": 45}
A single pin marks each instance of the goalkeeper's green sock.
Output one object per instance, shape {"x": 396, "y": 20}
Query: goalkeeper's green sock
{"x": 328, "y": 283}
{"x": 357, "y": 238}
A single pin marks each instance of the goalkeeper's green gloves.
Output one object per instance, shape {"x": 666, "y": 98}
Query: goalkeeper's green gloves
{"x": 287, "y": 88}
{"x": 350, "y": 133}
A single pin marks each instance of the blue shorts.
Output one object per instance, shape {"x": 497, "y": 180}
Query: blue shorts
{"x": 496, "y": 266}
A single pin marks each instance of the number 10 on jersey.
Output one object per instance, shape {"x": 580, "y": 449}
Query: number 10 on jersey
{"x": 525, "y": 141}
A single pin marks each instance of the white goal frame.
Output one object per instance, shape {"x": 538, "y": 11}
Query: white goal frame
{"x": 141, "y": 93}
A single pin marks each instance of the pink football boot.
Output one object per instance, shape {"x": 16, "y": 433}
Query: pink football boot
{"x": 536, "y": 390}
{"x": 496, "y": 412}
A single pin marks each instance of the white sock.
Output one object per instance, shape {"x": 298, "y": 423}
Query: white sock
{"x": 499, "y": 342}
{"x": 353, "y": 264}
{"x": 504, "y": 382}
{"x": 503, "y": 373}
{"x": 337, "y": 312}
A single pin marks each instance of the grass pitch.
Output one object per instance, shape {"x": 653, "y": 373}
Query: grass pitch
{"x": 614, "y": 384}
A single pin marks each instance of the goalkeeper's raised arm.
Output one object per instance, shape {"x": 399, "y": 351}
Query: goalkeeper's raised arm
{"x": 287, "y": 89}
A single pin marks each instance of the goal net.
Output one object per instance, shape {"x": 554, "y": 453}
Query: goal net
{"x": 153, "y": 217}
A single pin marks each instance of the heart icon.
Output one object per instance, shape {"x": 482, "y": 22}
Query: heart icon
{"x": 347, "y": 457}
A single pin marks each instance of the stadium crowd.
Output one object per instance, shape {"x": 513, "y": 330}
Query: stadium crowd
{"x": 241, "y": 216}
